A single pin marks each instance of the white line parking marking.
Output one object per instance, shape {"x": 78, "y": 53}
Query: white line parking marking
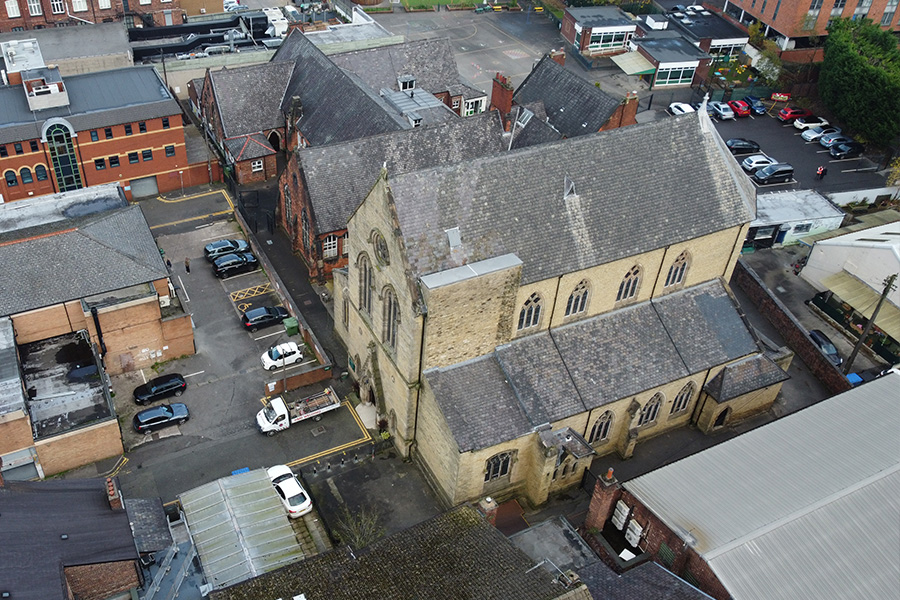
{"x": 267, "y": 336}
{"x": 192, "y": 374}
{"x": 183, "y": 289}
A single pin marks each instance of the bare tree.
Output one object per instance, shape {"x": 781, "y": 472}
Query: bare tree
{"x": 359, "y": 529}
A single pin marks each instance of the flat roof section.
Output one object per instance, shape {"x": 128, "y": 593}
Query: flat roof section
{"x": 64, "y": 391}
{"x": 12, "y": 398}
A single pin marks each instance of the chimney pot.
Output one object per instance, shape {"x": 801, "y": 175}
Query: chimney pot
{"x": 609, "y": 474}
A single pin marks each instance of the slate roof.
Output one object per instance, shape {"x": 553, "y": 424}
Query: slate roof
{"x": 431, "y": 62}
{"x": 453, "y": 555}
{"x": 736, "y": 379}
{"x": 249, "y": 98}
{"x": 515, "y": 202}
{"x": 648, "y": 581}
{"x": 548, "y": 376}
{"x": 72, "y": 259}
{"x": 574, "y": 105}
{"x": 247, "y": 147}
{"x": 335, "y": 108}
{"x": 147, "y": 517}
{"x": 537, "y": 131}
{"x": 36, "y": 514}
{"x": 96, "y": 100}
{"x": 339, "y": 176}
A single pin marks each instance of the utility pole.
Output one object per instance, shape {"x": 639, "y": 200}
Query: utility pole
{"x": 888, "y": 288}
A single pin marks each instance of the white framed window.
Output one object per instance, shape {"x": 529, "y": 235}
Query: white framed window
{"x": 456, "y": 103}
{"x": 345, "y": 244}
{"x": 57, "y": 7}
{"x": 474, "y": 107}
{"x": 256, "y": 166}
{"x": 330, "y": 246}
{"x": 34, "y": 8}
{"x": 104, "y": 4}
{"x": 145, "y": 2}
{"x": 676, "y": 76}
{"x": 530, "y": 315}
{"x": 12, "y": 9}
{"x": 79, "y": 5}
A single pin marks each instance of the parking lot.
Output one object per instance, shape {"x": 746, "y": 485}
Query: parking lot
{"x": 783, "y": 142}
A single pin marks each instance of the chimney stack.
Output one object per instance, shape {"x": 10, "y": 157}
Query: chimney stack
{"x": 558, "y": 56}
{"x": 501, "y": 95}
{"x": 112, "y": 494}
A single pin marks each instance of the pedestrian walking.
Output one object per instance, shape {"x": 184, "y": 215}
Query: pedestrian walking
{"x": 824, "y": 172}
{"x": 187, "y": 265}
{"x": 820, "y": 172}
{"x": 168, "y": 264}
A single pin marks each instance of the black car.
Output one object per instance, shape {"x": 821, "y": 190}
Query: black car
{"x": 821, "y": 340}
{"x": 223, "y": 247}
{"x": 846, "y": 150}
{"x": 777, "y": 173}
{"x": 164, "y": 415}
{"x": 164, "y": 386}
{"x": 742, "y": 146}
{"x": 264, "y": 316}
{"x": 232, "y": 264}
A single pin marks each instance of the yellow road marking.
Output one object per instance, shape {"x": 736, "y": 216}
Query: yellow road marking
{"x": 256, "y": 290}
{"x": 188, "y": 220}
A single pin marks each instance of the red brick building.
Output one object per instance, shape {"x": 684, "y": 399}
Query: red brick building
{"x": 23, "y": 15}
{"x": 61, "y": 134}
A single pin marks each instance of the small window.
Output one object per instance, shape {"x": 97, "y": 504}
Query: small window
{"x": 456, "y": 103}
{"x": 25, "y": 174}
{"x": 108, "y": 133}
{"x": 3, "y": 152}
{"x": 170, "y": 150}
{"x": 133, "y": 157}
{"x": 128, "y": 130}
{"x": 18, "y": 148}
{"x": 99, "y": 164}
{"x": 381, "y": 249}
{"x": 530, "y": 315}
{"x": 256, "y": 166}
{"x": 11, "y": 179}
{"x": 40, "y": 172}
{"x": 113, "y": 161}
{"x": 142, "y": 127}
{"x": 94, "y": 136}
{"x": 345, "y": 244}
{"x": 802, "y": 228}
{"x": 147, "y": 155}
{"x": 34, "y": 145}
{"x": 165, "y": 121}
{"x": 330, "y": 246}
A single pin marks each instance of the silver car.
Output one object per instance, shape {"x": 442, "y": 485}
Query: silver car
{"x": 811, "y": 135}
{"x": 722, "y": 110}
{"x": 757, "y": 161}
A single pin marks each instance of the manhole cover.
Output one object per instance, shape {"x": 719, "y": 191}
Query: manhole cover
{"x": 317, "y": 431}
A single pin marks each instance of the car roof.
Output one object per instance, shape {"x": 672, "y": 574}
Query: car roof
{"x": 167, "y": 377}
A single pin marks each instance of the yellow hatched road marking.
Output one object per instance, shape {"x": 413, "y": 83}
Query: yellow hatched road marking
{"x": 256, "y": 290}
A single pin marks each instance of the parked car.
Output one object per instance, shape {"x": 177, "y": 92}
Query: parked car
{"x": 233, "y": 264}
{"x": 742, "y": 146}
{"x": 757, "y": 161}
{"x": 295, "y": 499}
{"x": 811, "y": 135}
{"x": 756, "y": 105}
{"x": 846, "y": 150}
{"x": 223, "y": 247}
{"x": 264, "y": 316}
{"x": 157, "y": 417}
{"x": 281, "y": 355}
{"x": 833, "y": 139}
{"x": 789, "y": 113}
{"x": 809, "y": 122}
{"x": 722, "y": 111}
{"x": 680, "y": 108}
{"x": 740, "y": 108}
{"x": 777, "y": 173}
{"x": 161, "y": 387}
{"x": 821, "y": 340}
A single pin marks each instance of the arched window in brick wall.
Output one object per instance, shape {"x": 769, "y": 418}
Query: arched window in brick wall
{"x": 678, "y": 269}
{"x": 366, "y": 283}
{"x": 650, "y": 410}
{"x": 530, "y": 315}
{"x": 498, "y": 466}
{"x": 601, "y": 428}
{"x": 304, "y": 225}
{"x": 683, "y": 398}
{"x": 391, "y": 318}
{"x": 578, "y": 299}
{"x": 628, "y": 288}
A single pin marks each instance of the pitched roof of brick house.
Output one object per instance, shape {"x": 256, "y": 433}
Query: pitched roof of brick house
{"x": 36, "y": 514}
{"x": 339, "y": 176}
{"x": 583, "y": 365}
{"x": 247, "y": 147}
{"x": 593, "y": 199}
{"x": 334, "y": 107}
{"x": 455, "y": 554}
{"x": 249, "y": 98}
{"x": 431, "y": 62}
{"x": 573, "y": 105}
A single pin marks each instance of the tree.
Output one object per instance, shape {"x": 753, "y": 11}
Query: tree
{"x": 769, "y": 64}
{"x": 359, "y": 529}
{"x": 860, "y": 79}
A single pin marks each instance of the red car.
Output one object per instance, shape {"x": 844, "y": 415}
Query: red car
{"x": 740, "y": 108}
{"x": 789, "y": 113}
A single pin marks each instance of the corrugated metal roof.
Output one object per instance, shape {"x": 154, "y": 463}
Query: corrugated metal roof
{"x": 773, "y": 511}
{"x": 239, "y": 527}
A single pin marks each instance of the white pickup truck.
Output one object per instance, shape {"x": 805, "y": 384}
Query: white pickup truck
{"x": 279, "y": 414}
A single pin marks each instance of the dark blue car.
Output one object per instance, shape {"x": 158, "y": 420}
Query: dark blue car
{"x": 164, "y": 415}
{"x": 756, "y": 105}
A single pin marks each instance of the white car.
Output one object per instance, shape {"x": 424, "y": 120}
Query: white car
{"x": 811, "y": 135}
{"x": 281, "y": 355}
{"x": 295, "y": 499}
{"x": 757, "y": 161}
{"x": 680, "y": 108}
{"x": 722, "y": 110}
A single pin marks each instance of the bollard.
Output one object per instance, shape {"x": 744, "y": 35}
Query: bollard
{"x": 328, "y": 466}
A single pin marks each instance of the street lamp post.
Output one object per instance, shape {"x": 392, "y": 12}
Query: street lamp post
{"x": 181, "y": 176}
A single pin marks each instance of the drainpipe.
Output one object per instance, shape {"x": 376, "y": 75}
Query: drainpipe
{"x": 99, "y": 331}
{"x": 421, "y": 363}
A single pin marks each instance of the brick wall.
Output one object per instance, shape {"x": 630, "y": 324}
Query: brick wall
{"x": 567, "y": 29}
{"x": 80, "y": 447}
{"x": 102, "y": 580}
{"x": 625, "y": 114}
{"x": 791, "y": 330}
{"x": 15, "y": 432}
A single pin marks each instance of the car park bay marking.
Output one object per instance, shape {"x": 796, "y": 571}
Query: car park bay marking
{"x": 250, "y": 292}
{"x": 183, "y": 289}
{"x": 192, "y": 374}
{"x": 267, "y": 335}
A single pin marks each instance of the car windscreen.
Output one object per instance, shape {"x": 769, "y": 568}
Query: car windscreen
{"x": 274, "y": 354}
